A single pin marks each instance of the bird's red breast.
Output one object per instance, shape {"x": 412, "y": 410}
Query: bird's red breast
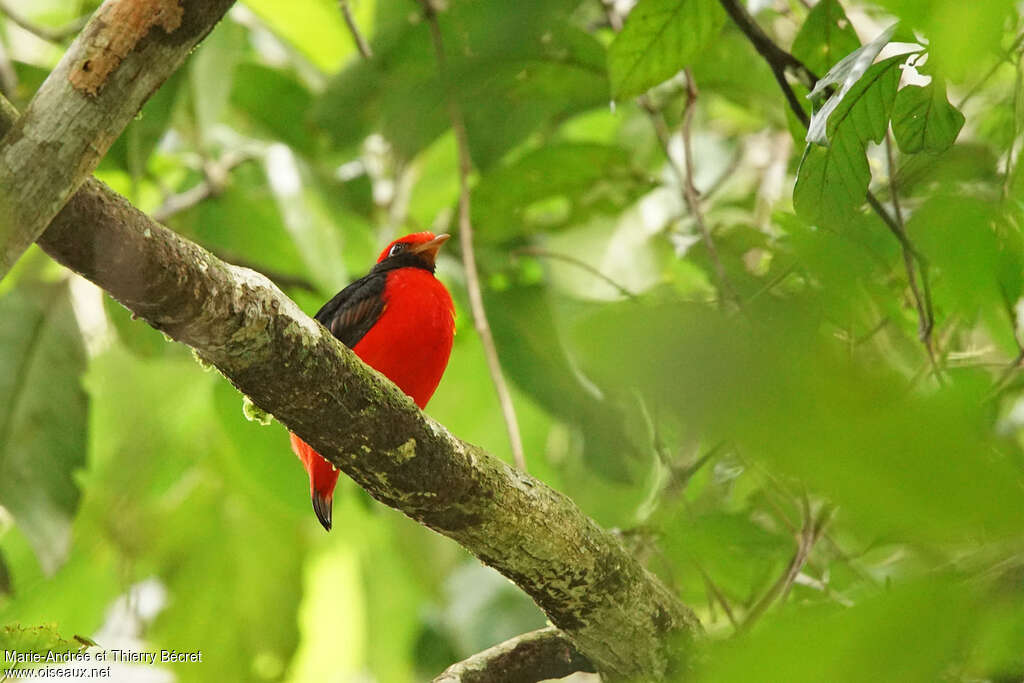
{"x": 400, "y": 320}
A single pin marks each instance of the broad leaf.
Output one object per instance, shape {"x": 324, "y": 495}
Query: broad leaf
{"x": 833, "y": 181}
{"x": 660, "y": 37}
{"x": 512, "y": 67}
{"x": 924, "y": 120}
{"x": 42, "y": 415}
{"x": 277, "y": 103}
{"x": 846, "y": 74}
{"x": 553, "y": 187}
{"x": 825, "y": 37}
{"x": 867, "y": 642}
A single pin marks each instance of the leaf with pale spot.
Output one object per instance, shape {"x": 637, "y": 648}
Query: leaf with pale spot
{"x": 923, "y": 120}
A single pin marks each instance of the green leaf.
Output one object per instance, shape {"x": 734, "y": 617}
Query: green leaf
{"x": 865, "y": 104}
{"x": 277, "y": 102}
{"x": 40, "y": 640}
{"x": 553, "y": 187}
{"x": 963, "y": 37}
{"x": 924, "y": 120}
{"x": 922, "y": 466}
{"x": 43, "y": 419}
{"x": 659, "y": 39}
{"x": 825, "y": 37}
{"x": 976, "y": 267}
{"x": 537, "y": 362}
{"x": 512, "y": 67}
{"x": 867, "y": 642}
{"x": 735, "y": 551}
{"x": 832, "y": 182}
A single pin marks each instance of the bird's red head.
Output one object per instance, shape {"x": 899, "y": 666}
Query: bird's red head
{"x": 421, "y": 246}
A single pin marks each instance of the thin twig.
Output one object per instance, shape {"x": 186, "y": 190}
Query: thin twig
{"x": 684, "y": 174}
{"x": 353, "y": 28}
{"x": 719, "y": 597}
{"x": 925, "y": 321}
{"x": 810, "y": 532}
{"x": 213, "y": 183}
{"x": 773, "y": 283}
{"x": 476, "y": 300}
{"x": 52, "y": 35}
{"x": 544, "y": 253}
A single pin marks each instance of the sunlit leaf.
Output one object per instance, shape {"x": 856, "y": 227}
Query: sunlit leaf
{"x": 314, "y": 28}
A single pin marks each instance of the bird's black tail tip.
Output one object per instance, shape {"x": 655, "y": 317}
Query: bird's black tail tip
{"x": 322, "y": 507}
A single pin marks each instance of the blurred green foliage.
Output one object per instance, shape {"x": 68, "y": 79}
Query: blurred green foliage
{"x": 811, "y": 432}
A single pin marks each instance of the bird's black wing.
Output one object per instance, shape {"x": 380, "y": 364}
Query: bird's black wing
{"x": 355, "y": 309}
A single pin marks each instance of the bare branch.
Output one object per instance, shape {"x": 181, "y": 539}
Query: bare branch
{"x": 121, "y": 57}
{"x": 535, "y": 656}
{"x": 47, "y": 33}
{"x": 215, "y": 180}
{"x": 476, "y": 300}
{"x": 544, "y": 253}
{"x": 353, "y": 28}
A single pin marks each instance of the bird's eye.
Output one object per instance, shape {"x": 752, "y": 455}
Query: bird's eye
{"x": 397, "y": 248}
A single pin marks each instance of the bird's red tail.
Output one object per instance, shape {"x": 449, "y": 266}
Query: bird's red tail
{"x": 322, "y": 479}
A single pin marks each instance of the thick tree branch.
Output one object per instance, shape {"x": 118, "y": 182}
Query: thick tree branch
{"x": 122, "y": 56}
{"x": 535, "y": 656}
{"x": 615, "y": 612}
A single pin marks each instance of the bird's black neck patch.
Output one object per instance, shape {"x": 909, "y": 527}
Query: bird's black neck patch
{"x": 403, "y": 259}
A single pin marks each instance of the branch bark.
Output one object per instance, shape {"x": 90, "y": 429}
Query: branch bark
{"x": 535, "y": 656}
{"x": 617, "y": 614}
{"x": 125, "y": 52}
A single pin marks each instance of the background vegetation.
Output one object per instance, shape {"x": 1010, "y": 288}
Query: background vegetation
{"x": 799, "y": 404}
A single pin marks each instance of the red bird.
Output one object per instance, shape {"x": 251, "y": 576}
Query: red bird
{"x": 399, "y": 319}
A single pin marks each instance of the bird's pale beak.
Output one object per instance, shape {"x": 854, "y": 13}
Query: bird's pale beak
{"x": 429, "y": 249}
